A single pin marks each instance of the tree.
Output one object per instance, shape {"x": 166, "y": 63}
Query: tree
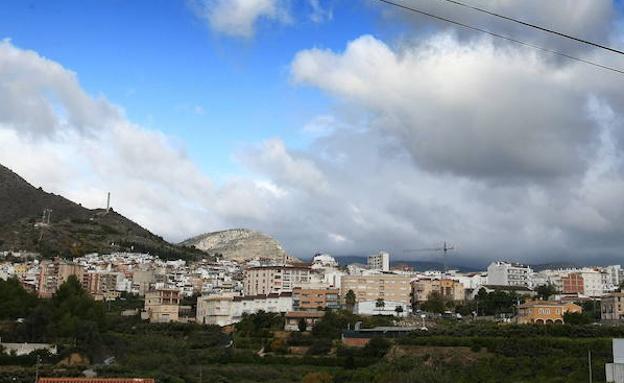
{"x": 576, "y": 318}
{"x": 496, "y": 302}
{"x": 302, "y": 325}
{"x": 398, "y": 310}
{"x": 380, "y": 304}
{"x": 350, "y": 300}
{"x": 15, "y": 301}
{"x": 435, "y": 303}
{"x": 546, "y": 291}
{"x": 376, "y": 347}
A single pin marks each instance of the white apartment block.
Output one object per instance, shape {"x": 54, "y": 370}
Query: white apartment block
{"x": 265, "y": 280}
{"x": 614, "y": 274}
{"x": 379, "y": 261}
{"x": 226, "y": 309}
{"x": 509, "y": 274}
{"x": 592, "y": 283}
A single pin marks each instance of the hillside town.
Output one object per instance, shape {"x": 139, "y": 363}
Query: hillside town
{"x": 221, "y": 292}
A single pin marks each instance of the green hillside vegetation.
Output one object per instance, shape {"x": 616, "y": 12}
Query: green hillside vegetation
{"x": 72, "y": 230}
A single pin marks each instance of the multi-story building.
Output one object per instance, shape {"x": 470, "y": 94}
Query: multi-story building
{"x": 545, "y": 312}
{"x": 226, "y": 309}
{"x": 52, "y": 274}
{"x": 592, "y": 283}
{"x": 315, "y": 299}
{"x": 447, "y": 288}
{"x": 573, "y": 283}
{"x": 101, "y": 285}
{"x": 263, "y": 280}
{"x": 612, "y": 306}
{"x": 613, "y": 276}
{"x": 509, "y": 274}
{"x": 379, "y": 261}
{"x": 378, "y": 293}
{"x": 162, "y": 306}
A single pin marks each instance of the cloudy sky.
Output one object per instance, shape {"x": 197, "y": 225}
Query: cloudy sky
{"x": 337, "y": 126}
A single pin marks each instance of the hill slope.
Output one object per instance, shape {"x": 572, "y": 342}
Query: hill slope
{"x": 239, "y": 245}
{"x": 73, "y": 230}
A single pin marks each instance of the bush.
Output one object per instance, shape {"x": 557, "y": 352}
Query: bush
{"x": 320, "y": 347}
{"x": 377, "y": 347}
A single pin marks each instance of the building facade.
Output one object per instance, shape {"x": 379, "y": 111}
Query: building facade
{"x": 315, "y": 299}
{"x": 52, "y": 274}
{"x": 370, "y": 288}
{"x": 612, "y": 306}
{"x": 162, "y": 306}
{"x": 229, "y": 308}
{"x": 293, "y": 318}
{"x": 573, "y": 283}
{"x": 265, "y": 280}
{"x": 447, "y": 288}
{"x": 545, "y": 312}
{"x": 509, "y": 274}
{"x": 379, "y": 261}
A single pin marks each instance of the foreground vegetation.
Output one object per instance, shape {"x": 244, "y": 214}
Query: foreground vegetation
{"x": 258, "y": 351}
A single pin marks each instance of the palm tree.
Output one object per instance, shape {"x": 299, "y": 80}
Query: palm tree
{"x": 380, "y": 304}
{"x": 398, "y": 310}
{"x": 350, "y": 300}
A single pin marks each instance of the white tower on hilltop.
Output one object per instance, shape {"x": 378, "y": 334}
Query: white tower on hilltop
{"x": 108, "y": 202}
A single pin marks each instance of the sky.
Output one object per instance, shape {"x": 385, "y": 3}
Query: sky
{"x": 340, "y": 126}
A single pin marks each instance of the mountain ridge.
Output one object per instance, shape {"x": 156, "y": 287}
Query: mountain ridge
{"x": 73, "y": 230}
{"x": 239, "y": 245}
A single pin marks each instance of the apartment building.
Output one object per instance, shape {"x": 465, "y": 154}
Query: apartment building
{"x": 390, "y": 289}
{"x": 315, "y": 299}
{"x": 448, "y": 288}
{"x": 379, "y": 261}
{"x": 228, "y": 308}
{"x": 52, "y": 274}
{"x": 509, "y": 274}
{"x": 162, "y": 306}
{"x": 263, "y": 280}
{"x": 545, "y": 312}
{"x": 573, "y": 283}
{"x": 612, "y": 306}
{"x": 592, "y": 283}
{"x": 101, "y": 285}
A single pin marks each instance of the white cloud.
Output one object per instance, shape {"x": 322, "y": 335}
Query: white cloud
{"x": 238, "y": 18}
{"x": 471, "y": 109}
{"x": 319, "y": 13}
{"x": 273, "y": 159}
{"x": 91, "y": 148}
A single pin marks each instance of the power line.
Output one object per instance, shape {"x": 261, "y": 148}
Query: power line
{"x": 503, "y": 37}
{"x": 544, "y": 29}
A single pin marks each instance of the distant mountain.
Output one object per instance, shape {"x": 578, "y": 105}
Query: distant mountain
{"x": 239, "y": 245}
{"x": 72, "y": 230}
{"x": 416, "y": 265}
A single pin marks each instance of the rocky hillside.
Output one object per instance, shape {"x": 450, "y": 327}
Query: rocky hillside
{"x": 73, "y": 230}
{"x": 239, "y": 245}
